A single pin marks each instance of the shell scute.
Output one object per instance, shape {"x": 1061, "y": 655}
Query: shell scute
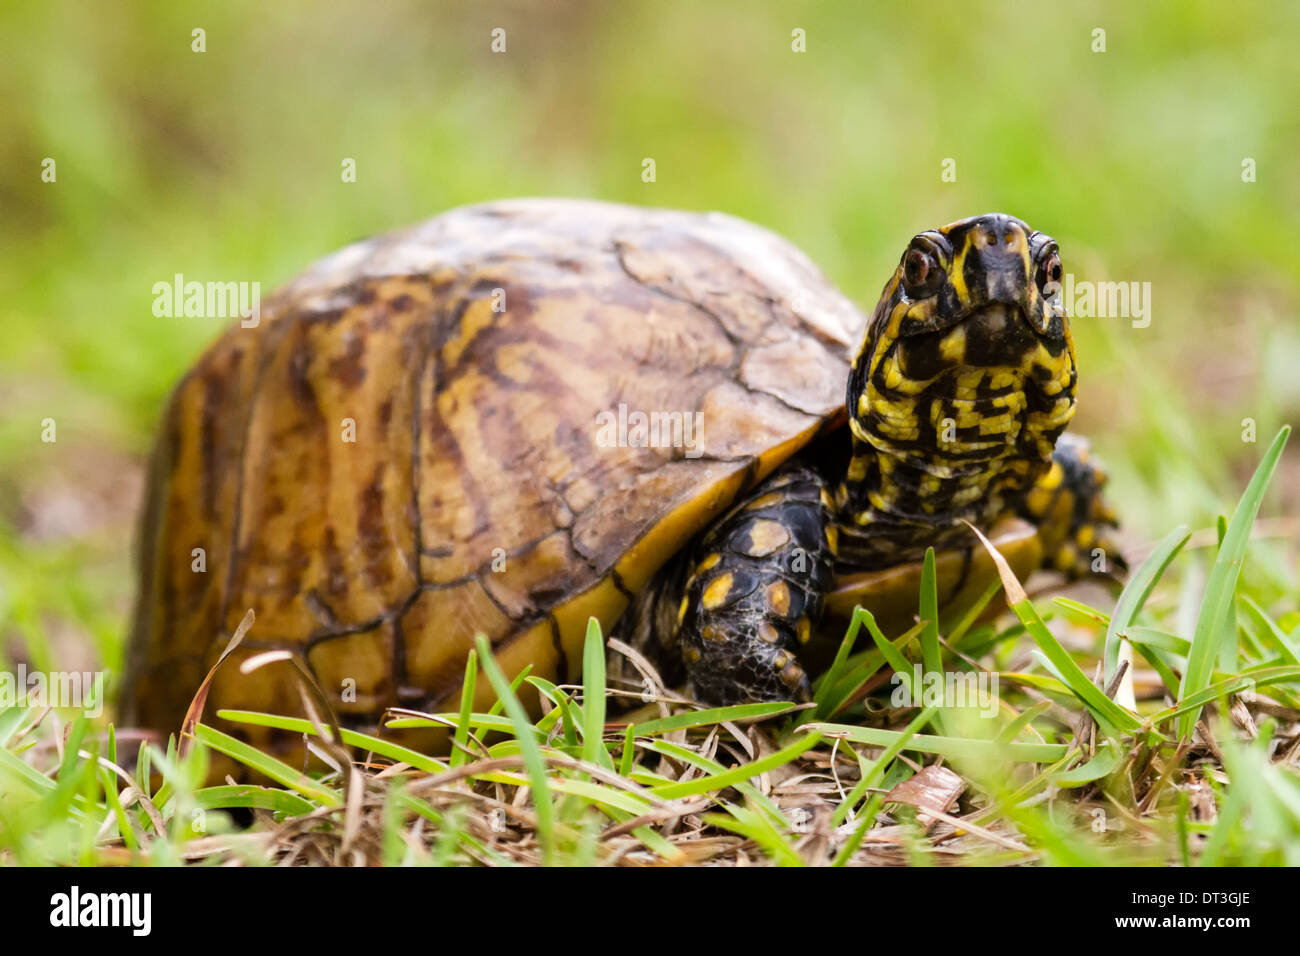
{"x": 476, "y": 357}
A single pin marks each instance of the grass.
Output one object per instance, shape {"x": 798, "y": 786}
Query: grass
{"x": 1203, "y": 772}
{"x": 225, "y": 165}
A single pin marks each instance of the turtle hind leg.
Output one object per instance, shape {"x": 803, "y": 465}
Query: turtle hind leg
{"x": 1075, "y": 523}
{"x": 754, "y": 591}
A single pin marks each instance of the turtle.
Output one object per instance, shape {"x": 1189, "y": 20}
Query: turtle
{"x": 522, "y": 415}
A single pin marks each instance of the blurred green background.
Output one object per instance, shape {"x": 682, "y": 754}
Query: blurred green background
{"x": 226, "y": 165}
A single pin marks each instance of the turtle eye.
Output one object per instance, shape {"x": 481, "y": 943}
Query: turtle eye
{"x": 922, "y": 273}
{"x": 1049, "y": 271}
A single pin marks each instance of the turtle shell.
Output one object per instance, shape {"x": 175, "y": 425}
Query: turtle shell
{"x": 412, "y": 447}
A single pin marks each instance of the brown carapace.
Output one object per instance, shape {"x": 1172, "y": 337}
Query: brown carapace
{"x": 521, "y": 415}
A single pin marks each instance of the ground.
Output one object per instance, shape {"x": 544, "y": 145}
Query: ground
{"x": 1159, "y": 157}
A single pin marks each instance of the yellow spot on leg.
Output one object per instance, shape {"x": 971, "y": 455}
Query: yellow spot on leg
{"x": 778, "y": 598}
{"x": 715, "y": 595}
{"x": 765, "y": 537}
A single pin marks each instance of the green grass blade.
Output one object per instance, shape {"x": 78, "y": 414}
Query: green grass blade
{"x": 264, "y": 763}
{"x": 1279, "y": 637}
{"x": 124, "y": 829}
{"x": 1102, "y": 706}
{"x": 385, "y": 748}
{"x": 259, "y": 798}
{"x": 712, "y": 715}
{"x": 1102, "y": 764}
{"x": 1048, "y": 685}
{"x": 893, "y": 657}
{"x": 1135, "y": 595}
{"x": 593, "y": 698}
{"x": 945, "y": 746}
{"x": 1222, "y": 584}
{"x": 958, "y": 631}
{"x": 1140, "y": 636}
{"x": 481, "y": 722}
{"x": 1012, "y": 730}
{"x": 1078, "y": 607}
{"x": 1249, "y": 679}
{"x": 563, "y": 712}
{"x": 1152, "y": 657}
{"x": 739, "y": 774}
{"x": 19, "y": 770}
{"x": 529, "y": 749}
{"x": 755, "y": 826}
{"x": 628, "y": 757}
{"x": 686, "y": 755}
{"x": 859, "y": 670}
{"x": 11, "y": 718}
{"x": 1105, "y": 709}
{"x": 514, "y": 689}
{"x": 460, "y": 739}
{"x": 931, "y": 652}
{"x": 839, "y": 666}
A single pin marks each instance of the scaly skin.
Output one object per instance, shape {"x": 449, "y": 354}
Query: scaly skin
{"x": 956, "y": 399}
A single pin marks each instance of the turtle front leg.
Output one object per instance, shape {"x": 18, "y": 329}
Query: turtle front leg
{"x": 753, "y": 592}
{"x": 1075, "y": 523}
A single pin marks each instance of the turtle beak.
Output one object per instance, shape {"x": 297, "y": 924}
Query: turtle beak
{"x": 1004, "y": 278}
{"x": 1006, "y": 271}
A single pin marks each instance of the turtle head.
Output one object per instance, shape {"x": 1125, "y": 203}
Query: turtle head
{"x": 967, "y": 334}
{"x": 966, "y": 376}
{"x": 985, "y": 264}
